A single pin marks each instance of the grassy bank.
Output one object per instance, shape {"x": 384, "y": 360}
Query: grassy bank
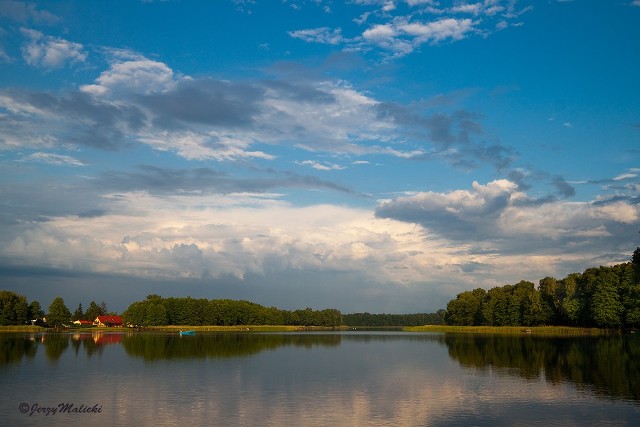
{"x": 236, "y": 328}
{"x": 25, "y": 328}
{"x": 513, "y": 330}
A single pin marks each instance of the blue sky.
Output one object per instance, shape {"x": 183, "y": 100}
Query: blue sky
{"x": 366, "y": 155}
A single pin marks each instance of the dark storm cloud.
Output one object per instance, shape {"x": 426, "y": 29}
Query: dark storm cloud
{"x": 41, "y": 200}
{"x": 206, "y": 101}
{"x": 458, "y": 216}
{"x": 299, "y": 92}
{"x": 157, "y": 180}
{"x": 453, "y": 136}
{"x": 564, "y": 188}
{"x": 70, "y": 117}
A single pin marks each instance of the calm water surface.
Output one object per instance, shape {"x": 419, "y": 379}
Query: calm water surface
{"x": 318, "y": 379}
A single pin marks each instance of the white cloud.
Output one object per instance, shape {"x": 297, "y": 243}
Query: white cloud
{"x": 499, "y": 215}
{"x": 52, "y": 159}
{"x": 322, "y": 166}
{"x": 472, "y": 8}
{"x": 50, "y": 52}
{"x": 379, "y": 32}
{"x": 202, "y": 146}
{"x": 624, "y": 176}
{"x": 202, "y": 236}
{"x": 437, "y": 31}
{"x": 319, "y": 35}
{"x": 399, "y": 33}
{"x": 137, "y": 76}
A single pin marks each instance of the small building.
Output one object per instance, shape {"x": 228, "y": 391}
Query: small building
{"x": 108, "y": 321}
{"x": 83, "y": 322}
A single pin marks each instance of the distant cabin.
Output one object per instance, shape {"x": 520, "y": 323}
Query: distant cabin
{"x": 108, "y": 321}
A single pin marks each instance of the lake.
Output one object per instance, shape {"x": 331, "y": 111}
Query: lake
{"x": 318, "y": 379}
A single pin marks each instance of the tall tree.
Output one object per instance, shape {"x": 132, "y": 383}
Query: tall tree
{"x": 78, "y": 314}
{"x": 35, "y": 311}
{"x": 58, "y": 312}
{"x": 93, "y": 311}
{"x": 629, "y": 296}
{"x": 14, "y": 309}
{"x": 466, "y": 309}
{"x": 635, "y": 261}
{"x": 550, "y": 300}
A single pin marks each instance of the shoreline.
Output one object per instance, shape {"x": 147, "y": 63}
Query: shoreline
{"x": 547, "y": 331}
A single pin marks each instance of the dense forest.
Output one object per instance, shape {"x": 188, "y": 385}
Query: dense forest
{"x": 377, "y": 320}
{"x": 158, "y": 311}
{"x": 605, "y": 297}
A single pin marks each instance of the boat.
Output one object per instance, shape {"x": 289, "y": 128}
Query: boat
{"x": 187, "y": 332}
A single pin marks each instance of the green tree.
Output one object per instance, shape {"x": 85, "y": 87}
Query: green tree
{"x": 156, "y": 315}
{"x": 599, "y": 298}
{"x": 135, "y": 314}
{"x": 93, "y": 311}
{"x": 570, "y": 301}
{"x": 78, "y": 313}
{"x": 629, "y": 296}
{"x": 14, "y": 309}
{"x": 35, "y": 311}
{"x": 635, "y": 261}
{"x": 466, "y": 309}
{"x": 550, "y": 300}
{"x": 58, "y": 313}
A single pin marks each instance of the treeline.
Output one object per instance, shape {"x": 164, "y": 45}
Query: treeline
{"x": 158, "y": 311}
{"x": 604, "y": 297}
{"x": 14, "y": 310}
{"x": 377, "y": 320}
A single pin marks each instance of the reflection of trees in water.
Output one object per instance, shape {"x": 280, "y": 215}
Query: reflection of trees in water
{"x": 14, "y": 347}
{"x": 225, "y": 345}
{"x": 609, "y": 366}
{"x": 13, "y": 350}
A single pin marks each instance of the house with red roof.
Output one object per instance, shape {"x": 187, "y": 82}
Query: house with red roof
{"x": 108, "y": 321}
{"x": 82, "y": 322}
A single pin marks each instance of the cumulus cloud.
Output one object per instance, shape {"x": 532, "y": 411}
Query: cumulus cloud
{"x": 50, "y": 52}
{"x": 501, "y": 216}
{"x": 140, "y": 76}
{"x": 454, "y": 240}
{"x": 211, "y": 236}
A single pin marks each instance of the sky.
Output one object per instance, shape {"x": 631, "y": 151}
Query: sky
{"x": 364, "y": 155}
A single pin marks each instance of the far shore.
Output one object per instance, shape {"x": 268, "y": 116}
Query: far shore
{"x": 503, "y": 330}
{"x": 514, "y": 330}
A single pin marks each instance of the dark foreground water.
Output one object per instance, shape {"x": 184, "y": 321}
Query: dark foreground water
{"x": 323, "y": 379}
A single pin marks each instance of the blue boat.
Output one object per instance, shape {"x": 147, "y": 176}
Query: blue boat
{"x": 187, "y": 332}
